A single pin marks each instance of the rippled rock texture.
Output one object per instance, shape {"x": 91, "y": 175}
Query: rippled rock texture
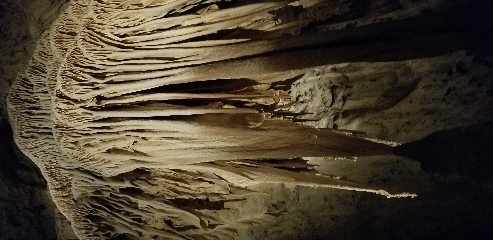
{"x": 204, "y": 119}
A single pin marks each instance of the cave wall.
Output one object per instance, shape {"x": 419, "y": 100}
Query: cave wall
{"x": 26, "y": 208}
{"x": 437, "y": 94}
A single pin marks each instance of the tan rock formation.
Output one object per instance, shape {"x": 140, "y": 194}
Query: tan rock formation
{"x": 153, "y": 119}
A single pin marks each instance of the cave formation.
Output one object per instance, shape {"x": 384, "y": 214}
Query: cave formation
{"x": 157, "y": 119}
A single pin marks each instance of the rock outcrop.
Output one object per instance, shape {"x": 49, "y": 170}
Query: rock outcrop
{"x": 154, "y": 120}
{"x": 165, "y": 119}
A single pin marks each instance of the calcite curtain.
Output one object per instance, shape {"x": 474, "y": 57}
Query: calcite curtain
{"x": 151, "y": 119}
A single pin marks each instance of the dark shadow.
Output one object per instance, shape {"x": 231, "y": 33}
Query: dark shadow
{"x": 26, "y": 209}
{"x": 466, "y": 151}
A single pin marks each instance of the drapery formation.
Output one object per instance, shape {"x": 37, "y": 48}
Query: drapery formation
{"x": 151, "y": 119}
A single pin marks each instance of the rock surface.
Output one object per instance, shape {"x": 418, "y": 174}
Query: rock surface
{"x": 399, "y": 101}
{"x": 26, "y": 209}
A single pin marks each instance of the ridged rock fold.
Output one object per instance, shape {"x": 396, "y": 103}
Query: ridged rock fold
{"x": 152, "y": 119}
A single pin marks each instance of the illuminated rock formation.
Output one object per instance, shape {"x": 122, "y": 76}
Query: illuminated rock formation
{"x": 152, "y": 119}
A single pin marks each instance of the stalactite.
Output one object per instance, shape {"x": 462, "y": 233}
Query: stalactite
{"x": 148, "y": 118}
